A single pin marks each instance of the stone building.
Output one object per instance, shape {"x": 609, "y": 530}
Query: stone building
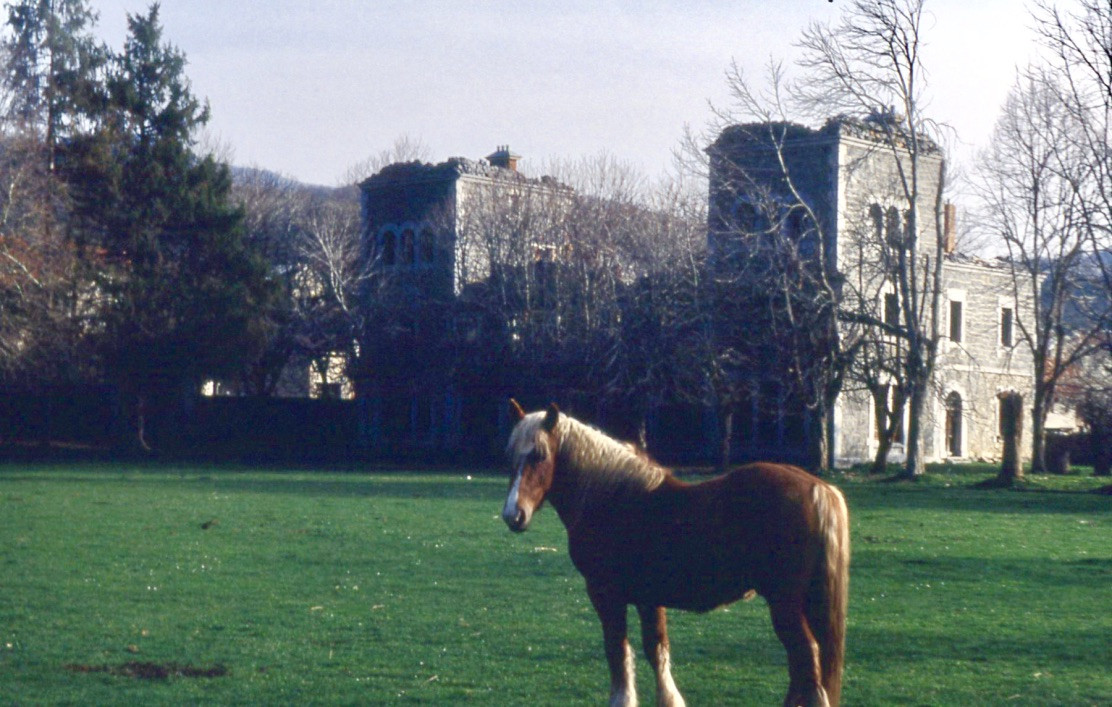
{"x": 436, "y": 232}
{"x": 432, "y": 232}
{"x": 848, "y": 178}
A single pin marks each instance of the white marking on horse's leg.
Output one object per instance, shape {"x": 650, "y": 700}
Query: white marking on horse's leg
{"x": 820, "y": 697}
{"x": 625, "y": 695}
{"x": 666, "y": 693}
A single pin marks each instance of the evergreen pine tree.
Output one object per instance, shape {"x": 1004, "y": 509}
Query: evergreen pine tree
{"x": 183, "y": 296}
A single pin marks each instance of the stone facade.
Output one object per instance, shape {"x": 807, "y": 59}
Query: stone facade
{"x": 431, "y": 231}
{"x": 850, "y": 180}
{"x": 421, "y": 222}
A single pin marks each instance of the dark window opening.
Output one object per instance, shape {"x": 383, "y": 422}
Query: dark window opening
{"x": 953, "y": 424}
{"x": 389, "y": 248}
{"x": 426, "y": 246}
{"x": 407, "y": 247}
{"x": 955, "y": 320}
{"x": 876, "y": 215}
{"x": 891, "y": 309}
{"x": 1006, "y": 326}
{"x": 894, "y": 228}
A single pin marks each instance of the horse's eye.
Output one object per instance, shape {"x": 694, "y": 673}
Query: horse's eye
{"x": 534, "y": 457}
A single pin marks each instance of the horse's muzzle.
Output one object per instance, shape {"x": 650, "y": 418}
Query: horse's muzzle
{"x": 516, "y": 519}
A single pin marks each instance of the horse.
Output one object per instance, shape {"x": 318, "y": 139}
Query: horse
{"x": 640, "y": 536}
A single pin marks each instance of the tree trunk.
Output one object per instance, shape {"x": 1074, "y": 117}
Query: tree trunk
{"x": 133, "y": 430}
{"x": 1038, "y": 432}
{"x": 725, "y": 428}
{"x": 820, "y": 441}
{"x": 880, "y": 460}
{"x": 915, "y": 465}
{"x": 1011, "y": 415}
{"x": 1099, "y": 439}
{"x": 884, "y": 436}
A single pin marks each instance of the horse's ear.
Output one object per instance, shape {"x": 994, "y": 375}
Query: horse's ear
{"x": 551, "y": 417}
{"x": 516, "y": 413}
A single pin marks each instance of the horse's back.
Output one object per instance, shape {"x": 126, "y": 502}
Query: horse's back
{"x": 756, "y": 492}
{"x": 752, "y": 522}
{"x": 700, "y": 545}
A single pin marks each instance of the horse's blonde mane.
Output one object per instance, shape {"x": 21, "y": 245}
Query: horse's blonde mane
{"x": 597, "y": 458}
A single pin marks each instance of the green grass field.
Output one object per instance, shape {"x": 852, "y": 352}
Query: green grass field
{"x": 129, "y": 585}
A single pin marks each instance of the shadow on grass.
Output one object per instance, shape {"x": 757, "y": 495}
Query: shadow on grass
{"x": 151, "y": 671}
{"x": 949, "y": 492}
{"x": 1086, "y": 573}
{"x": 437, "y": 484}
{"x": 963, "y": 494}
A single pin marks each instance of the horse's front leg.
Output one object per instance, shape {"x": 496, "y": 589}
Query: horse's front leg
{"x": 654, "y": 638}
{"x": 619, "y": 656}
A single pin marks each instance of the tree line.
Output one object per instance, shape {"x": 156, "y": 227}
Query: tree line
{"x": 125, "y": 259}
{"x": 131, "y": 253}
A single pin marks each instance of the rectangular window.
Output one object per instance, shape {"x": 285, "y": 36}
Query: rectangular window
{"x": 891, "y": 309}
{"x": 955, "y": 320}
{"x": 1006, "y": 335}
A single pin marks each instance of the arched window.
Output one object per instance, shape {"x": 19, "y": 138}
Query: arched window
{"x": 798, "y": 228}
{"x": 389, "y": 248}
{"x": 426, "y": 246}
{"x": 953, "y": 424}
{"x": 876, "y": 217}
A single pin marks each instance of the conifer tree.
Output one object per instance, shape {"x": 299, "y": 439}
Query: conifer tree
{"x": 183, "y": 296}
{"x": 53, "y": 67}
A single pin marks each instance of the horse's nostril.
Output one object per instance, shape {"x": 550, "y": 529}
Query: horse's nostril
{"x": 516, "y": 521}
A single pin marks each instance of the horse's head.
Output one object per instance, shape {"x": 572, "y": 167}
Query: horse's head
{"x": 532, "y": 455}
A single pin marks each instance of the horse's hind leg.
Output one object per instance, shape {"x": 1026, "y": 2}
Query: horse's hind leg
{"x": 805, "y": 688}
{"x": 619, "y": 656}
{"x": 654, "y": 638}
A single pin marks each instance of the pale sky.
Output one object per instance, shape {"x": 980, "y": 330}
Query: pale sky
{"x": 308, "y": 88}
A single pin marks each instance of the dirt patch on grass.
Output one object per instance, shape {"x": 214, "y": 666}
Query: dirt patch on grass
{"x": 152, "y": 671}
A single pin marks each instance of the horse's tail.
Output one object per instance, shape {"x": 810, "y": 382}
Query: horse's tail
{"x": 829, "y": 595}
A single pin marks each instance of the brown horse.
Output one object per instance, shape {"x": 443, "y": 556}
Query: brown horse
{"x": 640, "y": 536}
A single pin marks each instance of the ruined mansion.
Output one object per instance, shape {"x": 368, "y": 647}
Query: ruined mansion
{"x": 413, "y": 223}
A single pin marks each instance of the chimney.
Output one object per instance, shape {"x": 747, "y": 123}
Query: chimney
{"x": 949, "y": 227}
{"x": 502, "y": 157}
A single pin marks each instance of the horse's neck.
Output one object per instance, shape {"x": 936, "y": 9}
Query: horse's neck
{"x": 580, "y": 492}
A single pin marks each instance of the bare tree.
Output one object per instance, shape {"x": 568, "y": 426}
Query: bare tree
{"x": 404, "y": 149}
{"x": 585, "y": 273}
{"x": 50, "y": 61}
{"x": 271, "y": 204}
{"x": 331, "y": 273}
{"x": 873, "y": 58}
{"x": 659, "y": 303}
{"x": 1029, "y": 179}
{"x": 310, "y": 237}
{"x": 40, "y": 314}
{"x": 1080, "y": 47}
{"x": 775, "y": 272}
{"x": 868, "y": 64}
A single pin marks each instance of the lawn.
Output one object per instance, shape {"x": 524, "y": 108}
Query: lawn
{"x": 159, "y": 585}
